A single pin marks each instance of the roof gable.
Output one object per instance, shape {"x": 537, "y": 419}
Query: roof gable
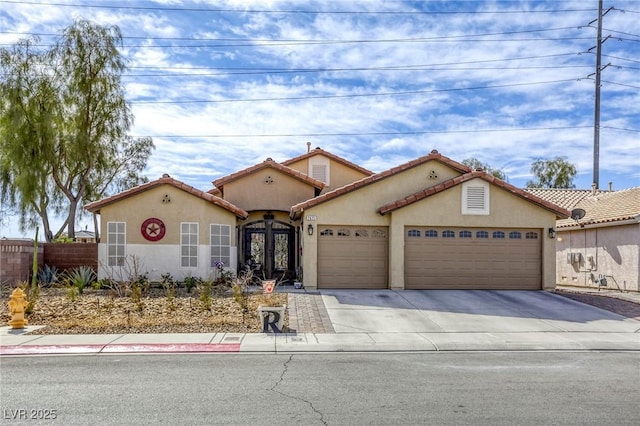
{"x": 476, "y": 174}
{"x": 607, "y": 207}
{"x": 268, "y": 163}
{"x": 322, "y": 152}
{"x": 95, "y": 206}
{"x": 433, "y": 156}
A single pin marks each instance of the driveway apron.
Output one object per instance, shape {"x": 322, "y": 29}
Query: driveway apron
{"x": 469, "y": 311}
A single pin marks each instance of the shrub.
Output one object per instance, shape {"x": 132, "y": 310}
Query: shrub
{"x": 80, "y": 278}
{"x": 191, "y": 282}
{"x": 205, "y": 288}
{"x": 47, "y": 276}
{"x": 32, "y": 294}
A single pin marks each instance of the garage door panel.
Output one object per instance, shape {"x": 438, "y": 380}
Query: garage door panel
{"x": 511, "y": 262}
{"x": 352, "y": 257}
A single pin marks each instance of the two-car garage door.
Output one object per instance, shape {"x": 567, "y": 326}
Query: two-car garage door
{"x": 435, "y": 258}
{"x": 353, "y": 257}
{"x": 472, "y": 258}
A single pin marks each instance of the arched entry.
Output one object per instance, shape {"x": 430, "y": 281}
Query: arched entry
{"x": 271, "y": 244}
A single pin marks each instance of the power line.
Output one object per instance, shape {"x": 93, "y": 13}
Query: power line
{"x": 328, "y": 12}
{"x": 419, "y": 132}
{"x": 307, "y": 40}
{"x": 357, "y": 95}
{"x": 330, "y": 70}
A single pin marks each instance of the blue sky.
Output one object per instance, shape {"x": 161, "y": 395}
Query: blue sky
{"x": 222, "y": 85}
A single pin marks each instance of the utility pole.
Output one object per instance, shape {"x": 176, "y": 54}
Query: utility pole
{"x": 596, "y": 113}
{"x": 596, "y": 117}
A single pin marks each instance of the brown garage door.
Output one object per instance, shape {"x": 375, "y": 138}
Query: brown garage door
{"x": 352, "y": 257}
{"x": 473, "y": 258}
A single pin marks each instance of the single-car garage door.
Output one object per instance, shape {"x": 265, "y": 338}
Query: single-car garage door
{"x": 473, "y": 258}
{"x": 352, "y": 256}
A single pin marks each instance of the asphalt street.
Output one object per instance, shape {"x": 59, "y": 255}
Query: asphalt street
{"x": 462, "y": 388}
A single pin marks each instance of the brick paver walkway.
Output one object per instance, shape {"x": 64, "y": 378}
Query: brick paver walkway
{"x": 621, "y": 307}
{"x": 307, "y": 314}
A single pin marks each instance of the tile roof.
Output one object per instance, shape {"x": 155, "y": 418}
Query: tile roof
{"x": 606, "y": 208}
{"x": 320, "y": 151}
{"x": 268, "y": 163}
{"x": 95, "y": 206}
{"x": 567, "y": 198}
{"x": 443, "y": 186}
{"x": 433, "y": 155}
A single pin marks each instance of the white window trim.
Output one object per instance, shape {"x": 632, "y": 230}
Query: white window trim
{"x": 196, "y": 245}
{"x": 211, "y": 245}
{"x": 110, "y": 244}
{"x": 475, "y": 185}
{"x": 321, "y": 161}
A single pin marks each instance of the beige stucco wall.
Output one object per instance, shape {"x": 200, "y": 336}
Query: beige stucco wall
{"x": 360, "y": 208}
{"x": 339, "y": 174}
{"x": 164, "y": 256}
{"x": 445, "y": 209}
{"x": 612, "y": 251}
{"x": 252, "y": 193}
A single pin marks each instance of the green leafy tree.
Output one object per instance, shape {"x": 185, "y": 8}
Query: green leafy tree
{"x": 63, "y": 125}
{"x": 554, "y": 173}
{"x": 474, "y": 163}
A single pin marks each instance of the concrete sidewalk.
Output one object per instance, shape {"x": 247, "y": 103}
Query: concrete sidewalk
{"x": 378, "y": 321}
{"x": 25, "y": 344}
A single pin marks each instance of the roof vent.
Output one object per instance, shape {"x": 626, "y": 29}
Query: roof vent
{"x": 434, "y": 151}
{"x": 269, "y": 159}
{"x": 166, "y": 175}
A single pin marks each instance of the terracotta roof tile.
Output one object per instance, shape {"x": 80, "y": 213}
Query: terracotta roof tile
{"x": 442, "y": 186}
{"x": 320, "y": 151}
{"x": 567, "y": 198}
{"x": 434, "y": 155}
{"x": 95, "y": 206}
{"x": 268, "y": 163}
{"x": 607, "y": 207}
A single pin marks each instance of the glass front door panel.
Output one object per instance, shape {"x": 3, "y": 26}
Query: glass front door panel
{"x": 257, "y": 247}
{"x": 281, "y": 258}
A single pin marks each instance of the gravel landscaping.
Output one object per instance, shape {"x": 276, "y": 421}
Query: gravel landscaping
{"x": 62, "y": 311}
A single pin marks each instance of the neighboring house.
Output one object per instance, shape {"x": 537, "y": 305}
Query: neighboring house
{"x": 429, "y": 223}
{"x": 603, "y": 247}
{"x": 85, "y": 236}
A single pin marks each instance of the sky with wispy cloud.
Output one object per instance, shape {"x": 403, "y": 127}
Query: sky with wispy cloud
{"x": 222, "y": 85}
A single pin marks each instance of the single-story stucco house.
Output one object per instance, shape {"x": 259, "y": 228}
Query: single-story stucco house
{"x": 431, "y": 223}
{"x": 602, "y": 248}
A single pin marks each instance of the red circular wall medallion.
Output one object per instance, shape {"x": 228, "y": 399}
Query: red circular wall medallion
{"x": 153, "y": 229}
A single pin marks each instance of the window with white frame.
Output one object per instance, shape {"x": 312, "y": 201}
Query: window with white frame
{"x": 115, "y": 243}
{"x": 220, "y": 244}
{"x": 475, "y": 197}
{"x": 189, "y": 245}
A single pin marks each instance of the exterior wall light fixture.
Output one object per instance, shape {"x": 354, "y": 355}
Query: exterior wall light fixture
{"x": 552, "y": 233}
{"x": 310, "y": 229}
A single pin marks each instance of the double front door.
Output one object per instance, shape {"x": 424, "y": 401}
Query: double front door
{"x": 269, "y": 246}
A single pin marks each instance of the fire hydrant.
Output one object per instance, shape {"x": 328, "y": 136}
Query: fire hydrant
{"x": 17, "y": 304}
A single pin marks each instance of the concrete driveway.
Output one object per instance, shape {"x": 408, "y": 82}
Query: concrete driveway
{"x": 466, "y": 311}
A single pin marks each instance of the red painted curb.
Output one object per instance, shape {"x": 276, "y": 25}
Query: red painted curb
{"x": 118, "y": 348}
{"x": 171, "y": 347}
{"x": 49, "y": 349}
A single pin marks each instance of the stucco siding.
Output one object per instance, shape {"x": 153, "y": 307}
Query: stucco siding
{"x": 445, "y": 209}
{"x": 267, "y": 189}
{"x": 159, "y": 259}
{"x": 611, "y": 251}
{"x": 442, "y": 209}
{"x": 182, "y": 207}
{"x": 339, "y": 174}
